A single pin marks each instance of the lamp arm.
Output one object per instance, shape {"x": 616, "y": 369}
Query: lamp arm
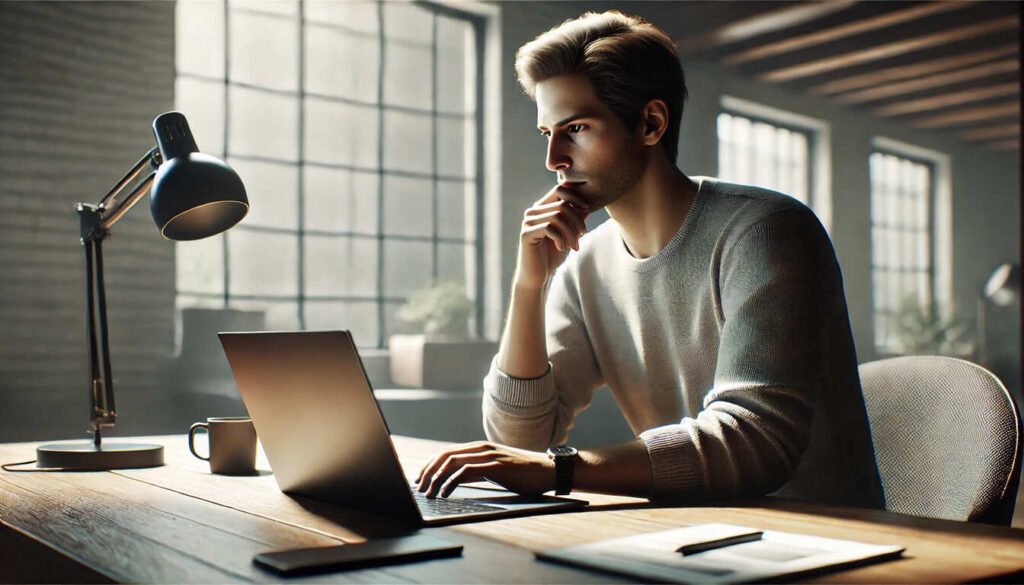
{"x": 110, "y": 209}
{"x": 96, "y": 221}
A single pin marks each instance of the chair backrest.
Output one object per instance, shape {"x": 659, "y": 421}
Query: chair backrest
{"x": 947, "y": 438}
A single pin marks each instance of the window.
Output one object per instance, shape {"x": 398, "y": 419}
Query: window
{"x": 754, "y": 152}
{"x": 356, "y": 129}
{"x": 908, "y": 262}
{"x": 775, "y": 149}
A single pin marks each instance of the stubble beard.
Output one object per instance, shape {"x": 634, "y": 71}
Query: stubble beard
{"x": 609, "y": 186}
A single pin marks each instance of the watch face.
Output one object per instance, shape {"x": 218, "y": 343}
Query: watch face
{"x": 562, "y": 451}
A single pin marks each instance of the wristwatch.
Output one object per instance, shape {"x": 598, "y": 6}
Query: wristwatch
{"x": 564, "y": 457}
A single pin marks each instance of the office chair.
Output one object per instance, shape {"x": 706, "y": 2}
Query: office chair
{"x": 947, "y": 438}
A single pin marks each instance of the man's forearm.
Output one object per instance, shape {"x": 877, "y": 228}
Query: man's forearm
{"x": 623, "y": 469}
{"x": 523, "y": 351}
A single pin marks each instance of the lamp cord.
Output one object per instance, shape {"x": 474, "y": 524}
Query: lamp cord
{"x": 8, "y": 466}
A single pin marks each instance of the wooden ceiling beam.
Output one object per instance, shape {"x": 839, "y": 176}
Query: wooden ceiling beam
{"x": 893, "y": 49}
{"x": 948, "y": 99}
{"x": 932, "y": 81}
{"x": 977, "y": 114}
{"x": 760, "y": 24}
{"x": 912, "y": 70}
{"x": 840, "y": 32}
{"x": 1006, "y": 145}
{"x": 992, "y": 132}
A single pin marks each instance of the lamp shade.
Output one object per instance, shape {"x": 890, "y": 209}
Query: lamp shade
{"x": 194, "y": 195}
{"x": 1003, "y": 285}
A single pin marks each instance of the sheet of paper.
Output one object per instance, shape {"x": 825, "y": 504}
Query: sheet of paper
{"x": 652, "y": 556}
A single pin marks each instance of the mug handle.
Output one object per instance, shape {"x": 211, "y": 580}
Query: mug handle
{"x": 192, "y": 438}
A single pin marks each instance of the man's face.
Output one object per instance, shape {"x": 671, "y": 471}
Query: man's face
{"x": 589, "y": 147}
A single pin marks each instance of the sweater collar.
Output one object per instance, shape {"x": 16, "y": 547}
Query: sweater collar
{"x": 704, "y": 185}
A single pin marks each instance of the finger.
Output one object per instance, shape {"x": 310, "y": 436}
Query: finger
{"x": 468, "y": 473}
{"x": 545, "y": 231}
{"x": 556, "y": 219}
{"x": 452, "y": 466}
{"x": 574, "y": 215}
{"x": 560, "y": 192}
{"x": 431, "y": 467}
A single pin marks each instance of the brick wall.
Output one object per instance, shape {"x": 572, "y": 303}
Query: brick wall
{"x": 80, "y": 84}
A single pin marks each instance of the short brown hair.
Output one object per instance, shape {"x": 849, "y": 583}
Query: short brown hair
{"x": 628, "y": 61}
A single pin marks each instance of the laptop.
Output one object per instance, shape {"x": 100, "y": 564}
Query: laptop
{"x": 325, "y": 436}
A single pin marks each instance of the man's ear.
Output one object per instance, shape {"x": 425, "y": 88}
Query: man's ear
{"x": 653, "y": 121}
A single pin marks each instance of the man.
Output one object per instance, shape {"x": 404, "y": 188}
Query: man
{"x": 713, "y": 312}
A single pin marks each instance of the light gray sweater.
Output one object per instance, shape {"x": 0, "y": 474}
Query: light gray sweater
{"x": 729, "y": 353}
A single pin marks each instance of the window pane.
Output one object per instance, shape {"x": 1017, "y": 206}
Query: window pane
{"x": 408, "y": 206}
{"x": 340, "y": 133}
{"x": 358, "y": 318}
{"x": 452, "y": 260}
{"x": 280, "y": 315}
{"x": 272, "y": 190}
{"x": 202, "y": 103}
{"x": 263, "y": 124}
{"x": 757, "y": 153}
{"x": 199, "y": 34}
{"x": 901, "y": 240}
{"x": 262, "y": 263}
{"x": 341, "y": 266}
{"x": 276, "y": 7}
{"x": 407, "y": 267}
{"x": 340, "y": 200}
{"x": 264, "y": 49}
{"x": 455, "y": 209}
{"x": 455, "y": 81}
{"x": 354, "y": 15}
{"x": 407, "y": 142}
{"x": 199, "y": 265}
{"x": 341, "y": 63}
{"x": 408, "y": 75}
{"x": 408, "y": 22}
{"x": 451, "y": 151}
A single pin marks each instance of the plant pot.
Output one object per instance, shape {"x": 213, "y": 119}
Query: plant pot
{"x": 437, "y": 363}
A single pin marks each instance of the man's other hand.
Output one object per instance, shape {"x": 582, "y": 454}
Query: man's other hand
{"x": 551, "y": 227}
{"x": 524, "y": 472}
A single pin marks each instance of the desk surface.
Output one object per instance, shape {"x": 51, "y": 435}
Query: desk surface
{"x": 179, "y": 523}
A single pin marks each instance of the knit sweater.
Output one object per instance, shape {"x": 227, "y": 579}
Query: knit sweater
{"x": 729, "y": 353}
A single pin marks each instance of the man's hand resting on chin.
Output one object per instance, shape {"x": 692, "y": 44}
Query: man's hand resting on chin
{"x": 524, "y": 472}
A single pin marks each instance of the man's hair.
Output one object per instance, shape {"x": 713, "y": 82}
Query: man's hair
{"x": 628, "y": 61}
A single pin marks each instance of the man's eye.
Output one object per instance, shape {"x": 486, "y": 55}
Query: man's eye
{"x": 573, "y": 129}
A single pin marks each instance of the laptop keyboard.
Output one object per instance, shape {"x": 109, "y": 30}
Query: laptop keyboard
{"x": 450, "y": 507}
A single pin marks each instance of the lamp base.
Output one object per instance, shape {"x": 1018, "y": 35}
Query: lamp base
{"x": 89, "y": 457}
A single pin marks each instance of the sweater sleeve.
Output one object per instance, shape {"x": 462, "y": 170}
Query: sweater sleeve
{"x": 538, "y": 413}
{"x": 775, "y": 282}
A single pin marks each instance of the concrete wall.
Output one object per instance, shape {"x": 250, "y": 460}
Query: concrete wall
{"x": 80, "y": 84}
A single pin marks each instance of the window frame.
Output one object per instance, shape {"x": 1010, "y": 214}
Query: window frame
{"x": 819, "y": 154}
{"x": 939, "y": 229}
{"x": 474, "y": 281}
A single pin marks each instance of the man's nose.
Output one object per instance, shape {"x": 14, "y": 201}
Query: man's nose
{"x": 557, "y": 159}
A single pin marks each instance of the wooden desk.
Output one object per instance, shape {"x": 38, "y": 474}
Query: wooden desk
{"x": 178, "y": 523}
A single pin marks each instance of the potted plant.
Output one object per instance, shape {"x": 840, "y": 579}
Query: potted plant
{"x": 442, "y": 355}
{"x": 924, "y": 329}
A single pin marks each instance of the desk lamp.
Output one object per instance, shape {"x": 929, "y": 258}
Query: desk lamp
{"x": 193, "y": 196}
{"x": 1002, "y": 289}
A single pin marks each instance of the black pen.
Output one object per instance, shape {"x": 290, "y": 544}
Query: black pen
{"x": 698, "y": 547}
